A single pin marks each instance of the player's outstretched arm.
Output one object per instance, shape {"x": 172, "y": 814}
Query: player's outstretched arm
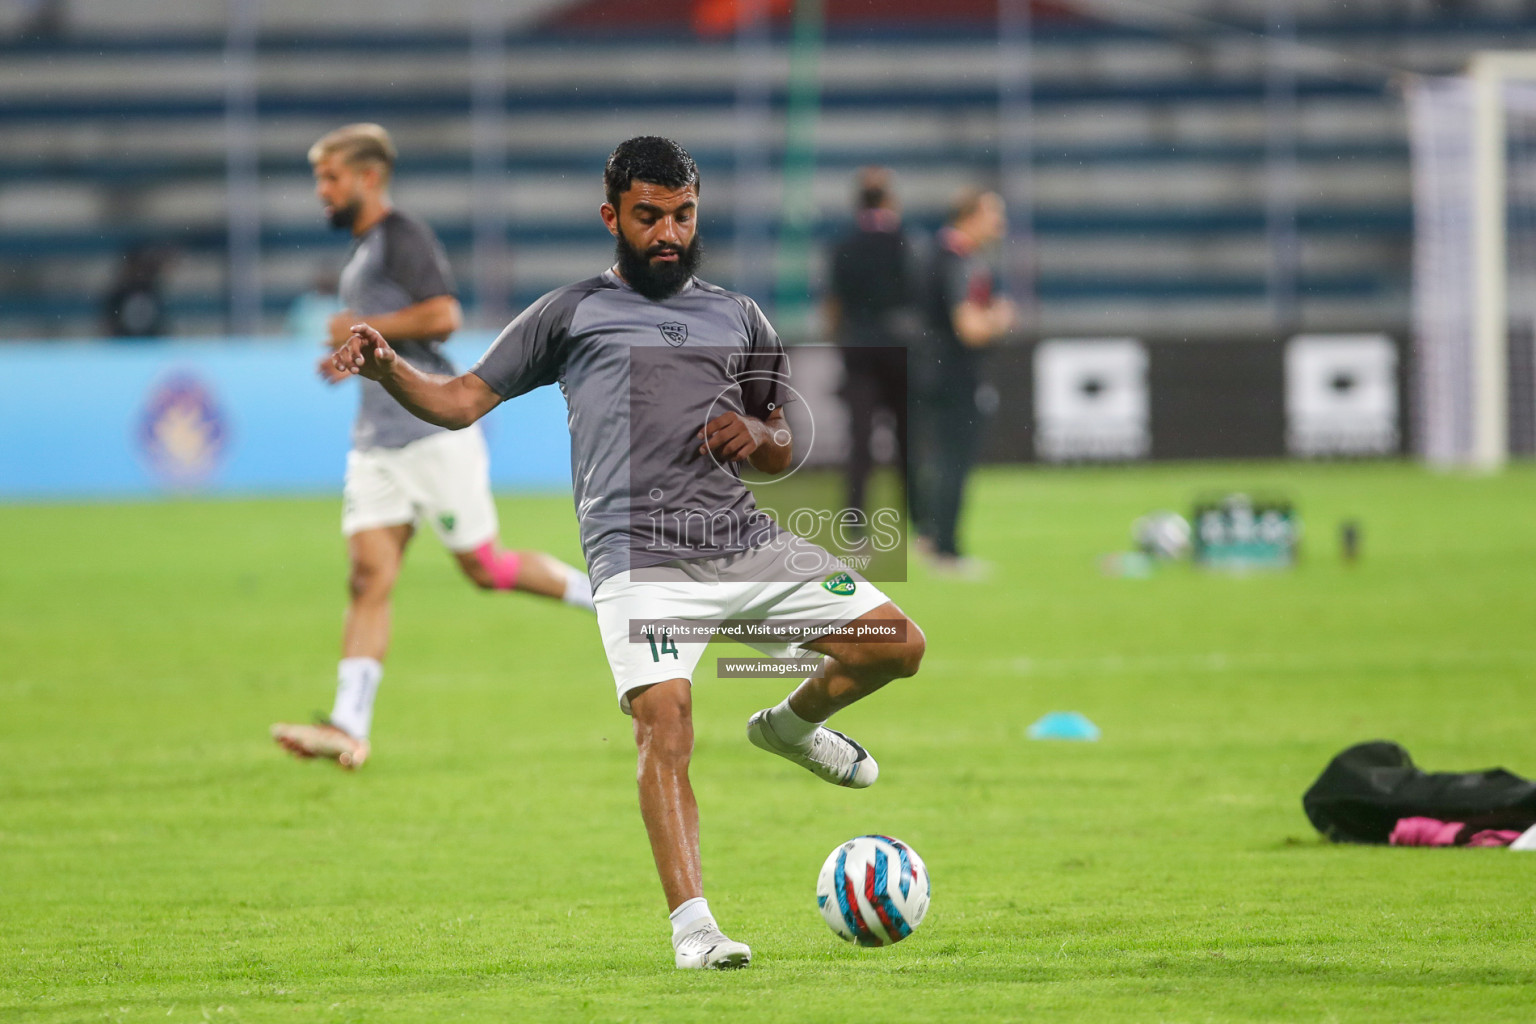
{"x": 451, "y": 402}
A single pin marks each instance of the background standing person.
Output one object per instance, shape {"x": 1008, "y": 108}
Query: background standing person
{"x": 135, "y": 305}
{"x": 401, "y": 470}
{"x": 963, "y": 314}
{"x": 871, "y": 315}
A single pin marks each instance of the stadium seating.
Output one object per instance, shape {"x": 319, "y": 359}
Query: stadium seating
{"x": 1149, "y": 169}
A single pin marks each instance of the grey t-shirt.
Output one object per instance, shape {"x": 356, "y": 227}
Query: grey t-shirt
{"x": 396, "y": 263}
{"x": 640, "y": 379}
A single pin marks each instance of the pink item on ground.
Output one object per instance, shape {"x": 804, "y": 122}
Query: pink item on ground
{"x": 502, "y": 565}
{"x": 1494, "y": 837}
{"x": 1434, "y": 832}
{"x": 1425, "y": 832}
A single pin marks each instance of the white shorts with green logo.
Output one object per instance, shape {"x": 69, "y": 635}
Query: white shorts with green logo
{"x": 770, "y": 582}
{"x": 443, "y": 478}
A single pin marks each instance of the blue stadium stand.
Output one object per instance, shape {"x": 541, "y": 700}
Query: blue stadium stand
{"x": 1149, "y": 204}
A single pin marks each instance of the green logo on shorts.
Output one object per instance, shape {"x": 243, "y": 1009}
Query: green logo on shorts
{"x": 447, "y": 520}
{"x": 842, "y": 584}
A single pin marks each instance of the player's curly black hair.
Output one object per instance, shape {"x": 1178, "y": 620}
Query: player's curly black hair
{"x": 648, "y": 158}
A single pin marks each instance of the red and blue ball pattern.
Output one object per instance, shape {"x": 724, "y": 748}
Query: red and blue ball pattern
{"x": 873, "y": 890}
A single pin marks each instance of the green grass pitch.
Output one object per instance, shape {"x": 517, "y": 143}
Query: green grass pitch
{"x": 160, "y": 860}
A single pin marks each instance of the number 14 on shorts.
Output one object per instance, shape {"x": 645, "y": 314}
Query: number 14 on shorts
{"x": 667, "y": 646}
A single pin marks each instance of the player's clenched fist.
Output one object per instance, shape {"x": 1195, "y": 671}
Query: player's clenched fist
{"x": 365, "y": 353}
{"x": 732, "y": 437}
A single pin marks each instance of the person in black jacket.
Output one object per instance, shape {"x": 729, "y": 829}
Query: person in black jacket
{"x": 871, "y": 315}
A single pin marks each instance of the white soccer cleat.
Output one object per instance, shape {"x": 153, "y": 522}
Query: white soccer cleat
{"x": 707, "y": 948}
{"x": 322, "y": 740}
{"x": 829, "y": 755}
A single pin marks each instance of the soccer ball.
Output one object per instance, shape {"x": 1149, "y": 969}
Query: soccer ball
{"x": 873, "y": 890}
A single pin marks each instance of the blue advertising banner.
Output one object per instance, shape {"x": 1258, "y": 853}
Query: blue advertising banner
{"x": 98, "y": 419}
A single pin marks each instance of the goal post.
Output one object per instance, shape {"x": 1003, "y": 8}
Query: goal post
{"x": 1474, "y": 168}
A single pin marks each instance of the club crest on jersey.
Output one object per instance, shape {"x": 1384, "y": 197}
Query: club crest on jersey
{"x": 840, "y": 584}
{"x": 674, "y": 332}
{"x": 447, "y": 520}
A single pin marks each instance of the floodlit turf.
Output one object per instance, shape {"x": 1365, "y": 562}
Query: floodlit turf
{"x": 161, "y": 860}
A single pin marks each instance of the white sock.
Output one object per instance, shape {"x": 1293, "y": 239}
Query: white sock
{"x": 688, "y": 916}
{"x": 578, "y": 588}
{"x": 790, "y": 727}
{"x": 357, "y": 683}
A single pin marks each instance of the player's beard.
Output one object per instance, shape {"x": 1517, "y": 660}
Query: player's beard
{"x": 343, "y": 217}
{"x": 657, "y": 281}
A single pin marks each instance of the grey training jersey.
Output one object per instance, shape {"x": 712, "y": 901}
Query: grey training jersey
{"x": 640, "y": 379}
{"x": 396, "y": 263}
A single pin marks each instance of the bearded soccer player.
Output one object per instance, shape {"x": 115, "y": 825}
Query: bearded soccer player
{"x": 401, "y": 470}
{"x": 671, "y": 384}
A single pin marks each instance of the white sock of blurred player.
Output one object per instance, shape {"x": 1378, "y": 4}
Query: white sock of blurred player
{"x": 578, "y": 588}
{"x": 357, "y": 684}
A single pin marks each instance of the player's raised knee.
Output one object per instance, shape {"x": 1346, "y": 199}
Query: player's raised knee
{"x": 899, "y": 658}
{"x": 917, "y": 646}
{"x": 904, "y": 658}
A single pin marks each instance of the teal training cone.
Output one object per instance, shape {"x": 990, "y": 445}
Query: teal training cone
{"x": 1063, "y": 725}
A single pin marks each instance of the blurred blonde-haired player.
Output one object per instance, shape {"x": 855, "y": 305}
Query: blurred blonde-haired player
{"x": 401, "y": 471}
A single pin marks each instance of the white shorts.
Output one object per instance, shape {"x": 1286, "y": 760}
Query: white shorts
{"x": 756, "y": 584}
{"x": 444, "y": 478}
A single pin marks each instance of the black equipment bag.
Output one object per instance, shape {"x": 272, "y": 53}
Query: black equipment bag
{"x": 1365, "y": 789}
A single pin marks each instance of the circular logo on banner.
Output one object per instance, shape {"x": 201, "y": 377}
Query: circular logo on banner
{"x": 182, "y": 431}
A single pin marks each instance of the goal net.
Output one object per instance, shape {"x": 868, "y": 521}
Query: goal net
{"x": 1473, "y": 140}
